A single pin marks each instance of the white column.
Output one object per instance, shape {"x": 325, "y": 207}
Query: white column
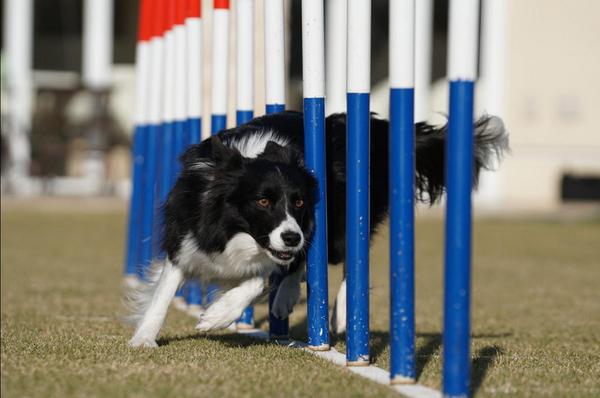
{"x": 18, "y": 23}
{"x": 423, "y": 55}
{"x": 336, "y": 13}
{"x": 97, "y": 43}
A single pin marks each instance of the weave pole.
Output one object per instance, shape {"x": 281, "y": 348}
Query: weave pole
{"x": 336, "y": 30}
{"x": 245, "y": 90}
{"x": 402, "y": 192}
{"x": 149, "y": 195}
{"x": 462, "y": 69}
{"x": 194, "y": 57}
{"x": 180, "y": 117}
{"x": 313, "y": 65}
{"x": 220, "y": 65}
{"x": 133, "y": 266}
{"x": 275, "y": 102}
{"x": 357, "y": 182}
{"x": 188, "y": 34}
{"x": 166, "y": 148}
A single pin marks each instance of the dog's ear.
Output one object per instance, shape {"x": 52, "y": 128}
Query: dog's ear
{"x": 283, "y": 154}
{"x": 223, "y": 155}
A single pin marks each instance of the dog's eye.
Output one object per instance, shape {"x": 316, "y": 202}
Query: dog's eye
{"x": 299, "y": 203}
{"x": 264, "y": 202}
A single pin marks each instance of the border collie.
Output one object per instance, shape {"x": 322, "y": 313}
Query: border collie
{"x": 243, "y": 207}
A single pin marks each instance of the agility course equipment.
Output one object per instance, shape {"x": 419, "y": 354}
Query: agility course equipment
{"x": 245, "y": 89}
{"x": 357, "y": 181}
{"x": 313, "y": 54}
{"x": 402, "y": 192}
{"x": 168, "y": 118}
{"x": 275, "y": 102}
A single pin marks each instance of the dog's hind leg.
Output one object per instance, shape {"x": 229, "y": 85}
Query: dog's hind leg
{"x": 229, "y": 307}
{"x": 154, "y": 315}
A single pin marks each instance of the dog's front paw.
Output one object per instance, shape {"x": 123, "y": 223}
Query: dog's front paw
{"x": 218, "y": 318}
{"x": 142, "y": 342}
{"x": 286, "y": 298}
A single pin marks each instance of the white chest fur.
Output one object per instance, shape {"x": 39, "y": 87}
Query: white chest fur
{"x": 242, "y": 258}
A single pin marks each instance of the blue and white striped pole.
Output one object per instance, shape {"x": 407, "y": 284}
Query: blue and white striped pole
{"x": 245, "y": 90}
{"x": 193, "y": 123}
{"x": 462, "y": 70}
{"x": 402, "y": 191}
{"x": 220, "y": 65}
{"x": 275, "y": 98}
{"x": 313, "y": 73}
{"x": 154, "y": 132}
{"x": 132, "y": 264}
{"x": 194, "y": 57}
{"x": 357, "y": 182}
{"x": 244, "y": 61}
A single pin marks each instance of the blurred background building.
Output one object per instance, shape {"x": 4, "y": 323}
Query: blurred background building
{"x": 68, "y": 83}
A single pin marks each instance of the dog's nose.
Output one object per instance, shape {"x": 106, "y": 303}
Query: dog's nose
{"x": 290, "y": 238}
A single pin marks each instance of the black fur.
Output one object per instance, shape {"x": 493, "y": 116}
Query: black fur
{"x": 216, "y": 201}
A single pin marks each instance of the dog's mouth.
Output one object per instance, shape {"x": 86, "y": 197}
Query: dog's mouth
{"x": 281, "y": 256}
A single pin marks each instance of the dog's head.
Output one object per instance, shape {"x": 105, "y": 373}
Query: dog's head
{"x": 271, "y": 197}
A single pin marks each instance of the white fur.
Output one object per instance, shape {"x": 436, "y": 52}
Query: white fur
{"x": 288, "y": 225}
{"x": 242, "y": 258}
{"x": 252, "y": 145}
{"x": 287, "y": 295}
{"x": 338, "y": 318}
{"x": 230, "y": 305}
{"x": 154, "y": 315}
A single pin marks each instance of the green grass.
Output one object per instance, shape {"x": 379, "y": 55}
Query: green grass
{"x": 536, "y": 318}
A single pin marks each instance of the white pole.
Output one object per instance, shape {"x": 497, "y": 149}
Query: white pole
{"x": 245, "y": 55}
{"x": 18, "y": 23}
{"x": 423, "y": 54}
{"x": 493, "y": 56}
{"x": 97, "y": 43}
{"x": 492, "y": 81}
{"x": 335, "y": 57}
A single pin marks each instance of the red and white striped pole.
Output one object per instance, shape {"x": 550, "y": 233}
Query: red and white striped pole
{"x": 134, "y": 233}
{"x": 220, "y": 65}
{"x": 155, "y": 91}
{"x": 193, "y": 25}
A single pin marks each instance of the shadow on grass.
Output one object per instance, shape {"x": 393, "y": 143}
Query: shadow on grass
{"x": 482, "y": 363}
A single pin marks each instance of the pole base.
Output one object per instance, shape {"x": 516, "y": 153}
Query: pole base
{"x": 281, "y": 340}
{"x": 402, "y": 380}
{"x": 243, "y": 326}
{"x": 360, "y": 362}
{"x": 322, "y": 347}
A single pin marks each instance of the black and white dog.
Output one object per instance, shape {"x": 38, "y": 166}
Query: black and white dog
{"x": 243, "y": 207}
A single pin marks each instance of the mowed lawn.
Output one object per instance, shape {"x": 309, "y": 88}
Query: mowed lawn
{"x": 536, "y": 317}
